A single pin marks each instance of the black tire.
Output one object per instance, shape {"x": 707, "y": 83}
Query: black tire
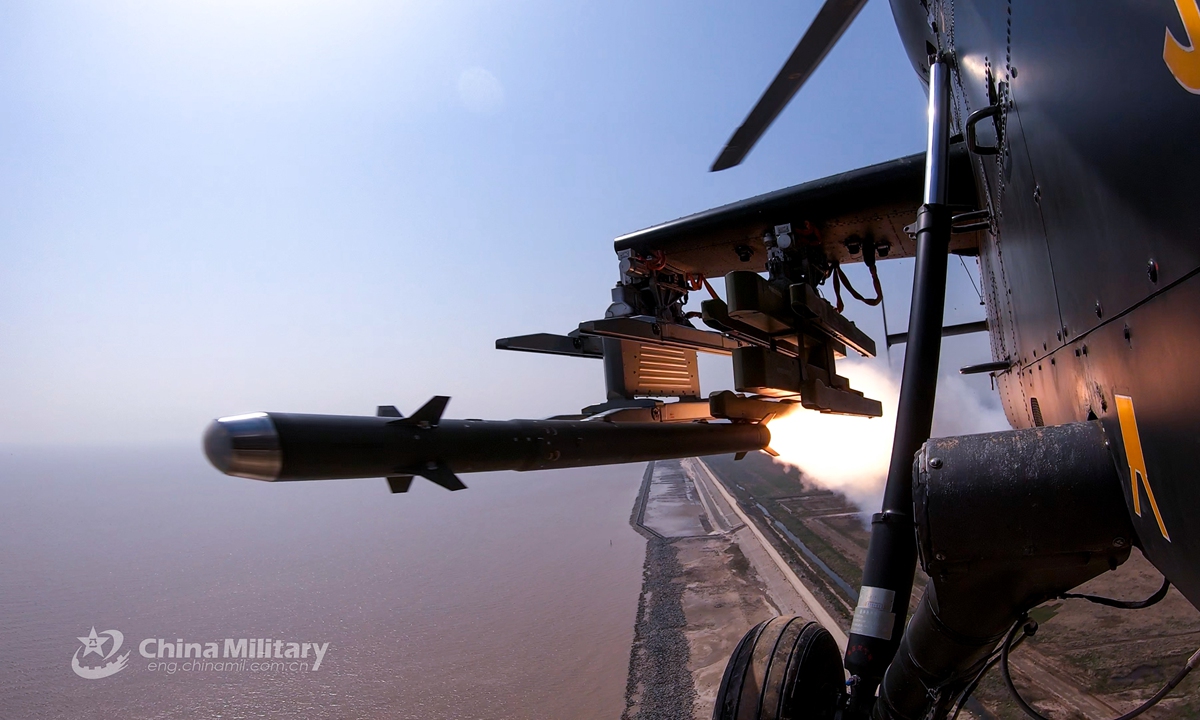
{"x": 785, "y": 668}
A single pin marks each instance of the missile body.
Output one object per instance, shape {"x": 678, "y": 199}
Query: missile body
{"x": 283, "y": 446}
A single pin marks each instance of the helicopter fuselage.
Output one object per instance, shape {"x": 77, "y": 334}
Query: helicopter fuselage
{"x": 1088, "y": 172}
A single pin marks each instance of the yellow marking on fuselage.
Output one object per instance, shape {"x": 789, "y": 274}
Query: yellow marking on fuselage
{"x": 1137, "y": 462}
{"x": 1182, "y": 59}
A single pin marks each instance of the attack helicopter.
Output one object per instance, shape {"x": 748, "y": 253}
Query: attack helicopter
{"x": 1058, "y": 155}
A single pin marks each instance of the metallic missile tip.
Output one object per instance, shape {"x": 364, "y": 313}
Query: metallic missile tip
{"x": 244, "y": 445}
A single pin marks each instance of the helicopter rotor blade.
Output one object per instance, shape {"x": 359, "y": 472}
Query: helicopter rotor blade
{"x": 827, "y": 27}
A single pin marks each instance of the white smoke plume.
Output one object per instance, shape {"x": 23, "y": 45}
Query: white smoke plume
{"x": 851, "y": 454}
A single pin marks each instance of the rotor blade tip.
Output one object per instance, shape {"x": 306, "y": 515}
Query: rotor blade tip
{"x": 729, "y": 157}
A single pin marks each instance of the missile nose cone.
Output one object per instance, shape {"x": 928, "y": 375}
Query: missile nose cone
{"x": 244, "y": 445}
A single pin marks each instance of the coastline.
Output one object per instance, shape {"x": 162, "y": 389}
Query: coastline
{"x": 707, "y": 579}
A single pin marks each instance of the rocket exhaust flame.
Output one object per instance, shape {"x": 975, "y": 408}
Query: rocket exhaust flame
{"x": 841, "y": 452}
{"x": 851, "y": 454}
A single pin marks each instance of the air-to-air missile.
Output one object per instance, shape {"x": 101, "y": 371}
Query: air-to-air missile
{"x": 285, "y": 446}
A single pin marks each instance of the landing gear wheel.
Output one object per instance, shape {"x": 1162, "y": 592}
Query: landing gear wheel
{"x": 785, "y": 668}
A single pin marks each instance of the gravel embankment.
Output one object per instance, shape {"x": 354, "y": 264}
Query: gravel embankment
{"x": 660, "y": 686}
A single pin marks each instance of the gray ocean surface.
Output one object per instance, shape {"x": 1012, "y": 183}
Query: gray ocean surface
{"x": 515, "y": 598}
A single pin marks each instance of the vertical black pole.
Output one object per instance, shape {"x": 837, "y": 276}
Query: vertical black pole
{"x": 892, "y": 555}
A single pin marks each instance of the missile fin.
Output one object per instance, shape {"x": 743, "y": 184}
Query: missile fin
{"x": 429, "y": 414}
{"x": 442, "y": 475}
{"x": 399, "y": 483}
{"x": 388, "y": 411}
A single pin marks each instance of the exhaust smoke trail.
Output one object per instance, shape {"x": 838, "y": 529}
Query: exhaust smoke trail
{"x": 841, "y": 452}
{"x": 851, "y": 454}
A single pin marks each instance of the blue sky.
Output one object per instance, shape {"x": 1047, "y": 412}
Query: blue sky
{"x": 216, "y": 207}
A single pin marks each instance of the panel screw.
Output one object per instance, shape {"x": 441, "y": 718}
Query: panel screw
{"x": 1099, "y": 310}
{"x": 935, "y": 463}
{"x": 940, "y": 556}
{"x": 1120, "y": 542}
{"x": 1037, "y": 194}
{"x": 1152, "y": 271}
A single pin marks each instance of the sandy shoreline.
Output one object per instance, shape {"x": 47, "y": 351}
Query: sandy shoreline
{"x": 707, "y": 580}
